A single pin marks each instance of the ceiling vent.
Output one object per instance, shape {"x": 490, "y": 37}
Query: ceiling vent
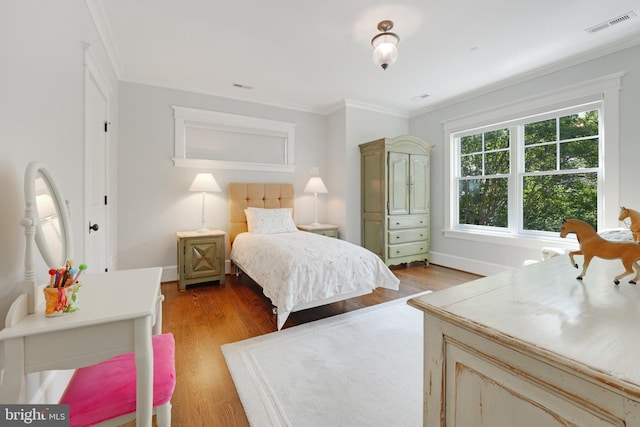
{"x": 420, "y": 97}
{"x": 241, "y": 86}
{"x": 609, "y": 23}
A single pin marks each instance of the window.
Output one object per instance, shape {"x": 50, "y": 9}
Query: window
{"x": 519, "y": 170}
{"x": 555, "y": 171}
{"x": 210, "y": 139}
{"x": 483, "y": 178}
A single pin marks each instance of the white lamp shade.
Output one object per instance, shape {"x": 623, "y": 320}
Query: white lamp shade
{"x": 385, "y": 52}
{"x": 205, "y": 182}
{"x": 315, "y": 185}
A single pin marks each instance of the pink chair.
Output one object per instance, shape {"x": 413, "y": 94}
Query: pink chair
{"x": 105, "y": 394}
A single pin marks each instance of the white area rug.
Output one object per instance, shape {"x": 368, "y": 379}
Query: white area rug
{"x": 361, "y": 368}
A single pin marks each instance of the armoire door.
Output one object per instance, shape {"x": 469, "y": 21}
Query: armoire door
{"x": 419, "y": 184}
{"x": 398, "y": 183}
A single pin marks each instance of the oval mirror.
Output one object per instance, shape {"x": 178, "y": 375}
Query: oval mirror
{"x": 48, "y": 212}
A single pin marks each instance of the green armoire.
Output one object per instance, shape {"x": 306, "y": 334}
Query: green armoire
{"x": 396, "y": 198}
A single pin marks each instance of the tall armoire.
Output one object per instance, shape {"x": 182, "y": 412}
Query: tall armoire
{"x": 395, "y": 198}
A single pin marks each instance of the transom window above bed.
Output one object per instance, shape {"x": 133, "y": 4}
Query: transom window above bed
{"x": 210, "y": 139}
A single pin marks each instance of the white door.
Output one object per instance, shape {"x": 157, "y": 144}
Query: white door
{"x": 96, "y": 176}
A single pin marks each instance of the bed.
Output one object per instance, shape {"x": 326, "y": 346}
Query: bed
{"x": 296, "y": 269}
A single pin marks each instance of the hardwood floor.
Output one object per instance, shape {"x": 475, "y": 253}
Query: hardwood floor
{"x": 203, "y": 318}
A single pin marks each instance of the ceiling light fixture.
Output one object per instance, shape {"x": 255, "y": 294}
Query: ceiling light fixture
{"x": 385, "y": 52}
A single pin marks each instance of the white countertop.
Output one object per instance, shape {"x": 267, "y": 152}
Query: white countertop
{"x": 104, "y": 297}
{"x": 590, "y": 325}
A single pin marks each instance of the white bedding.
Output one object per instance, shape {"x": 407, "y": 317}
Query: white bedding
{"x": 300, "y": 267}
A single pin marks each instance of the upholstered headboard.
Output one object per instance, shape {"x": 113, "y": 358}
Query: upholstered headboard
{"x": 243, "y": 195}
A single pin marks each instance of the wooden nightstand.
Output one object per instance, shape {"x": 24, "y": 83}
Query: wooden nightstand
{"x": 200, "y": 257}
{"x": 328, "y": 230}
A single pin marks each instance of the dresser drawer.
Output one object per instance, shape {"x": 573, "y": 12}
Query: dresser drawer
{"x": 407, "y": 249}
{"x": 410, "y": 235}
{"x": 408, "y": 221}
{"x": 322, "y": 229}
{"x": 329, "y": 233}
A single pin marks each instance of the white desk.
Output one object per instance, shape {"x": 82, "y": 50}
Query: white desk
{"x": 534, "y": 347}
{"x": 118, "y": 311}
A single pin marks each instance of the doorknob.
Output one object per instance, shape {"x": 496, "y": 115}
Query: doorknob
{"x": 93, "y": 227}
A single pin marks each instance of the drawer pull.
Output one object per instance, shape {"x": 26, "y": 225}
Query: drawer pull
{"x": 397, "y": 237}
{"x": 397, "y": 223}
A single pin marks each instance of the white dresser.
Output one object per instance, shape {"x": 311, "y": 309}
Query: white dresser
{"x": 534, "y": 347}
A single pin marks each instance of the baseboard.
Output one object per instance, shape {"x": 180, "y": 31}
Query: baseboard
{"x": 169, "y": 274}
{"x": 468, "y": 265}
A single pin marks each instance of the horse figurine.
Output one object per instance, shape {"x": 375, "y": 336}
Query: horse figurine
{"x": 635, "y": 221}
{"x": 591, "y": 244}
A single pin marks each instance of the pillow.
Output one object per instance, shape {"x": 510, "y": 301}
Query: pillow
{"x": 269, "y": 221}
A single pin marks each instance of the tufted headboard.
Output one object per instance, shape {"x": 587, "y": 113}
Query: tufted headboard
{"x": 243, "y": 195}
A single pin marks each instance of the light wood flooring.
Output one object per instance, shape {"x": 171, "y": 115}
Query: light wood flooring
{"x": 204, "y": 317}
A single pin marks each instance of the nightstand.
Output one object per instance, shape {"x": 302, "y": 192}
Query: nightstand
{"x": 328, "y": 230}
{"x": 200, "y": 257}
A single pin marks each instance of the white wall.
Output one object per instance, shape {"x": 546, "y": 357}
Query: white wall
{"x": 488, "y": 258}
{"x": 153, "y": 197}
{"x": 336, "y": 172}
{"x": 42, "y": 51}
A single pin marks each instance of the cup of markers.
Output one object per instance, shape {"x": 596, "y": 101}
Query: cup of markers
{"x": 61, "y": 294}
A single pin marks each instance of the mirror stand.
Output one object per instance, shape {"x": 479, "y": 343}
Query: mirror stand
{"x": 30, "y": 285}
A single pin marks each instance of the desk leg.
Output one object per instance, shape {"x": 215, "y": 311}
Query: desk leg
{"x": 144, "y": 371}
{"x": 13, "y": 381}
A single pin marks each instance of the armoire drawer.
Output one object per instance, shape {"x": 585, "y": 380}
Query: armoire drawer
{"x": 409, "y": 235}
{"x": 407, "y": 221}
{"x": 407, "y": 249}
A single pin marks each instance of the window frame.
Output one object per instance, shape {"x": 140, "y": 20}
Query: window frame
{"x": 603, "y": 91}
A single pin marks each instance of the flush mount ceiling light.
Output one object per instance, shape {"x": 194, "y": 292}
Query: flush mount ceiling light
{"x": 385, "y": 52}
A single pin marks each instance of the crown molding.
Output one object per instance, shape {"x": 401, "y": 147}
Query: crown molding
{"x": 538, "y": 72}
{"x": 350, "y": 103}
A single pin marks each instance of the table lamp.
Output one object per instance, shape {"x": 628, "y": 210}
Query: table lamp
{"x": 205, "y": 183}
{"x": 315, "y": 186}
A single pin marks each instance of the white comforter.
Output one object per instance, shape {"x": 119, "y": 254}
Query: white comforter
{"x": 300, "y": 267}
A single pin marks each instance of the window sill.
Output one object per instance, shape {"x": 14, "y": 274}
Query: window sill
{"x": 529, "y": 242}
